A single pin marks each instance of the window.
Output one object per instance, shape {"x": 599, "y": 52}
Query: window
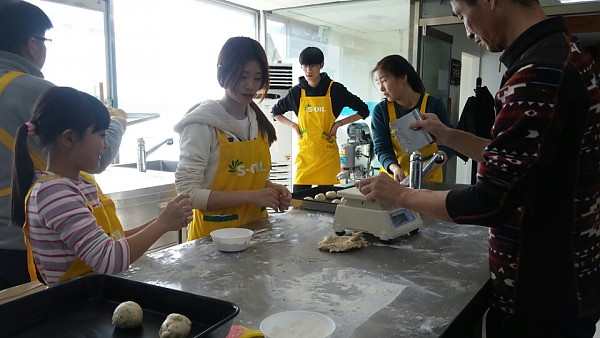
{"x": 76, "y": 56}
{"x": 353, "y": 35}
{"x": 166, "y": 60}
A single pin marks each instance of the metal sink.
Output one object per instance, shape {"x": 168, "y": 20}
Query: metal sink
{"x": 159, "y": 165}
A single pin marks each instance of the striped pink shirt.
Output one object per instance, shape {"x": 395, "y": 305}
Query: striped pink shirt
{"x": 62, "y": 228}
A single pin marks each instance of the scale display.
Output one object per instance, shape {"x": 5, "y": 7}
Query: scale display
{"x": 401, "y": 217}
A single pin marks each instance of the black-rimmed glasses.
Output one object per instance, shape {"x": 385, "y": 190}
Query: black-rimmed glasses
{"x": 42, "y": 38}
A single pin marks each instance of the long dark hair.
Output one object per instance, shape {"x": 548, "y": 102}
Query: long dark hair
{"x": 57, "y": 110}
{"x": 397, "y": 66}
{"x": 234, "y": 55}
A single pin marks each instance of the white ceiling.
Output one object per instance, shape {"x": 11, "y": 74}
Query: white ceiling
{"x": 355, "y": 16}
{"x": 350, "y": 16}
{"x": 268, "y": 5}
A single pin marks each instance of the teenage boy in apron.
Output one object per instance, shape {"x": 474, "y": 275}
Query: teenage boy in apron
{"x": 317, "y": 101}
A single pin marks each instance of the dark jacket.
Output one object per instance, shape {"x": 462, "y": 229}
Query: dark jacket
{"x": 478, "y": 115}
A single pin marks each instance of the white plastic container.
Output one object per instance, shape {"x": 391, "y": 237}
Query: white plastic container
{"x": 232, "y": 239}
{"x": 297, "y": 324}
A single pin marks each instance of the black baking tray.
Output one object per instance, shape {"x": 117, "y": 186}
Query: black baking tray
{"x": 83, "y": 308}
{"x": 298, "y": 200}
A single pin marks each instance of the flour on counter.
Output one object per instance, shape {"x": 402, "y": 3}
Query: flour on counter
{"x": 350, "y": 296}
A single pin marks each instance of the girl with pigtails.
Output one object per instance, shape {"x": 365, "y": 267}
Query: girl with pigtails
{"x": 70, "y": 227}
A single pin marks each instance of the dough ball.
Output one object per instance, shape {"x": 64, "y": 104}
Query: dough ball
{"x": 336, "y": 201}
{"x": 308, "y": 198}
{"x": 320, "y": 197}
{"x": 343, "y": 200}
{"x": 331, "y": 195}
{"x": 175, "y": 326}
{"x": 128, "y": 315}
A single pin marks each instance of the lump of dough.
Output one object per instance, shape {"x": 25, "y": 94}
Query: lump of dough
{"x": 343, "y": 243}
{"x": 336, "y": 201}
{"x": 175, "y": 326}
{"x": 308, "y": 198}
{"x": 128, "y": 315}
{"x": 331, "y": 195}
{"x": 320, "y": 197}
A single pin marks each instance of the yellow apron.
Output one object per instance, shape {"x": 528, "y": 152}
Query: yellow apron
{"x": 318, "y": 159}
{"x": 106, "y": 218}
{"x": 243, "y": 165}
{"x": 404, "y": 159}
{"x": 7, "y": 139}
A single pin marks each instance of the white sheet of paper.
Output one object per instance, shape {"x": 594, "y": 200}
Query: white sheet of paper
{"x": 410, "y": 139}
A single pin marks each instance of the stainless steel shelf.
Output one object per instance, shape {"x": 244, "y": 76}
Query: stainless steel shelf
{"x": 135, "y": 118}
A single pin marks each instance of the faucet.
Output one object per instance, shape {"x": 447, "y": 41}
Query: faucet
{"x": 418, "y": 171}
{"x": 142, "y": 153}
{"x": 344, "y": 175}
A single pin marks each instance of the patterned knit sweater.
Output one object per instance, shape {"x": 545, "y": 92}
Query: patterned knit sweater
{"x": 539, "y": 187}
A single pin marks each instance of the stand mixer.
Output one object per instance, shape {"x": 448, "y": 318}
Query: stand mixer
{"x": 356, "y": 154}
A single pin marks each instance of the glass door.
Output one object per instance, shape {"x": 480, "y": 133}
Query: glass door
{"x": 436, "y": 53}
{"x": 434, "y": 67}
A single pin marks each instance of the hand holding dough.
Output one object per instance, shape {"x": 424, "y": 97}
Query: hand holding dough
{"x": 331, "y": 195}
{"x": 175, "y": 326}
{"x": 128, "y": 315}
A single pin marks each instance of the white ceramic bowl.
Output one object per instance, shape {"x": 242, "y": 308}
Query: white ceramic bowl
{"x": 297, "y": 324}
{"x": 231, "y": 239}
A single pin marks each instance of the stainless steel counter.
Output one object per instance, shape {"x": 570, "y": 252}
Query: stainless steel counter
{"x": 413, "y": 287}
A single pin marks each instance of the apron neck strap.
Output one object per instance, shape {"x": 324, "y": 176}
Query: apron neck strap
{"x": 424, "y": 103}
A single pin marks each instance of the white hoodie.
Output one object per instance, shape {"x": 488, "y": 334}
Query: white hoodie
{"x": 199, "y": 148}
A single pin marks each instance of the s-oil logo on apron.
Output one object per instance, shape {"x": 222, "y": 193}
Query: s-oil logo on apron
{"x": 240, "y": 169}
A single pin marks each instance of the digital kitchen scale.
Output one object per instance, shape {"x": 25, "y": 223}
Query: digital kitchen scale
{"x": 358, "y": 213}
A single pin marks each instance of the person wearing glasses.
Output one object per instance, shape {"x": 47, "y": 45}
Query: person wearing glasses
{"x": 23, "y": 42}
{"x": 317, "y": 102}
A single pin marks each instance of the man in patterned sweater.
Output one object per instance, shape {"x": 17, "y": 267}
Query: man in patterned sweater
{"x": 538, "y": 184}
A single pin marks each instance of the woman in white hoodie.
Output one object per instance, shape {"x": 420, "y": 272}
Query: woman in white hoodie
{"x": 224, "y": 159}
